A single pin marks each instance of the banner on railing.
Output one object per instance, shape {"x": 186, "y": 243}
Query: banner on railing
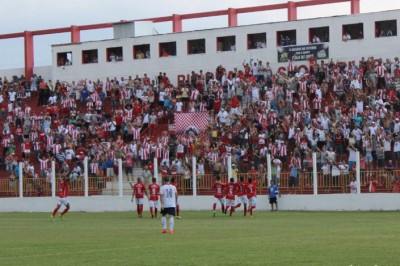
{"x": 191, "y": 123}
{"x": 303, "y": 52}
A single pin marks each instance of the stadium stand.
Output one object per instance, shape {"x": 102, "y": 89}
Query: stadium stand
{"x": 331, "y": 108}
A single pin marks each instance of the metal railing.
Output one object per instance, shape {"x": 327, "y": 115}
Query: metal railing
{"x": 41, "y": 187}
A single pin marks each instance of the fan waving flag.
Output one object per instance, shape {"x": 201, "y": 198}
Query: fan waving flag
{"x": 195, "y": 123}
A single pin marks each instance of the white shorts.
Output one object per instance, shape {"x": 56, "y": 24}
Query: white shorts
{"x": 139, "y": 201}
{"x": 62, "y": 201}
{"x": 253, "y": 201}
{"x": 242, "y": 199}
{"x": 220, "y": 200}
{"x": 230, "y": 203}
{"x": 153, "y": 203}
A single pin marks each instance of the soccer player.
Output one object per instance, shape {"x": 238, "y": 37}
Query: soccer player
{"x": 175, "y": 184}
{"x": 273, "y": 190}
{"x": 154, "y": 190}
{"x": 63, "y": 195}
{"x": 138, "y": 192}
{"x": 230, "y": 196}
{"x": 168, "y": 198}
{"x": 219, "y": 189}
{"x": 251, "y": 191}
{"x": 241, "y": 193}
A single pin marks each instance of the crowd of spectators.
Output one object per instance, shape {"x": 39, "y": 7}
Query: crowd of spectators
{"x": 331, "y": 108}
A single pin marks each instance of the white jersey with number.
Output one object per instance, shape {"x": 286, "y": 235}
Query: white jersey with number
{"x": 168, "y": 194}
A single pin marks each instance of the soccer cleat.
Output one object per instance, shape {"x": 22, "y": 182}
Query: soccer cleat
{"x": 62, "y": 217}
{"x": 213, "y": 214}
{"x": 178, "y": 217}
{"x": 164, "y": 231}
{"x": 171, "y": 232}
{"x": 152, "y": 216}
{"x": 52, "y": 218}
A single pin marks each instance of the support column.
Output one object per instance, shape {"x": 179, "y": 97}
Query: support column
{"x": 269, "y": 168}
{"x": 232, "y": 17}
{"x": 53, "y": 179}
{"x": 155, "y": 174}
{"x": 120, "y": 177}
{"x": 21, "y": 180}
{"x": 315, "y": 175}
{"x": 75, "y": 34}
{"x": 29, "y": 56}
{"x": 292, "y": 10}
{"x": 355, "y": 6}
{"x": 194, "y": 177}
{"x": 86, "y": 176}
{"x": 358, "y": 176}
{"x": 176, "y": 23}
{"x": 230, "y": 168}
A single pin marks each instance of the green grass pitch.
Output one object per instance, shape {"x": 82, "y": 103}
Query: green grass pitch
{"x": 268, "y": 238}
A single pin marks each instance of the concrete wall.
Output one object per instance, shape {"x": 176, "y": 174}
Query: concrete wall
{"x": 44, "y": 71}
{"x": 183, "y": 63}
{"x": 331, "y": 202}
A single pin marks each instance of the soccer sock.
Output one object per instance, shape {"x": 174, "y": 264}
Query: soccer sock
{"x": 164, "y": 222}
{"x": 177, "y": 210}
{"x": 230, "y": 213}
{"x": 223, "y": 207}
{"x": 251, "y": 209}
{"x": 138, "y": 209}
{"x": 245, "y": 210}
{"x": 151, "y": 211}
{"x": 237, "y": 205}
{"x": 55, "y": 211}
{"x": 214, "y": 206}
{"x": 171, "y": 223}
{"x": 226, "y": 209}
{"x": 156, "y": 211}
{"x": 64, "y": 211}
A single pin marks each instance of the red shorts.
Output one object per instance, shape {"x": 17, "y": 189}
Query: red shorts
{"x": 180, "y": 155}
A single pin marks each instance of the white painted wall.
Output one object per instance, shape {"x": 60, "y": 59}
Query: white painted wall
{"x": 44, "y": 71}
{"x": 331, "y": 202}
{"x": 184, "y": 64}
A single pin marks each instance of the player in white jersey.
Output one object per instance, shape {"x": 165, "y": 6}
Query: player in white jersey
{"x": 168, "y": 198}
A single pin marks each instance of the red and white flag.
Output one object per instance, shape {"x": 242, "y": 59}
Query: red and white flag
{"x": 191, "y": 122}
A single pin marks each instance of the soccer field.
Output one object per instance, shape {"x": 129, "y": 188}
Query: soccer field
{"x": 268, "y": 238}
